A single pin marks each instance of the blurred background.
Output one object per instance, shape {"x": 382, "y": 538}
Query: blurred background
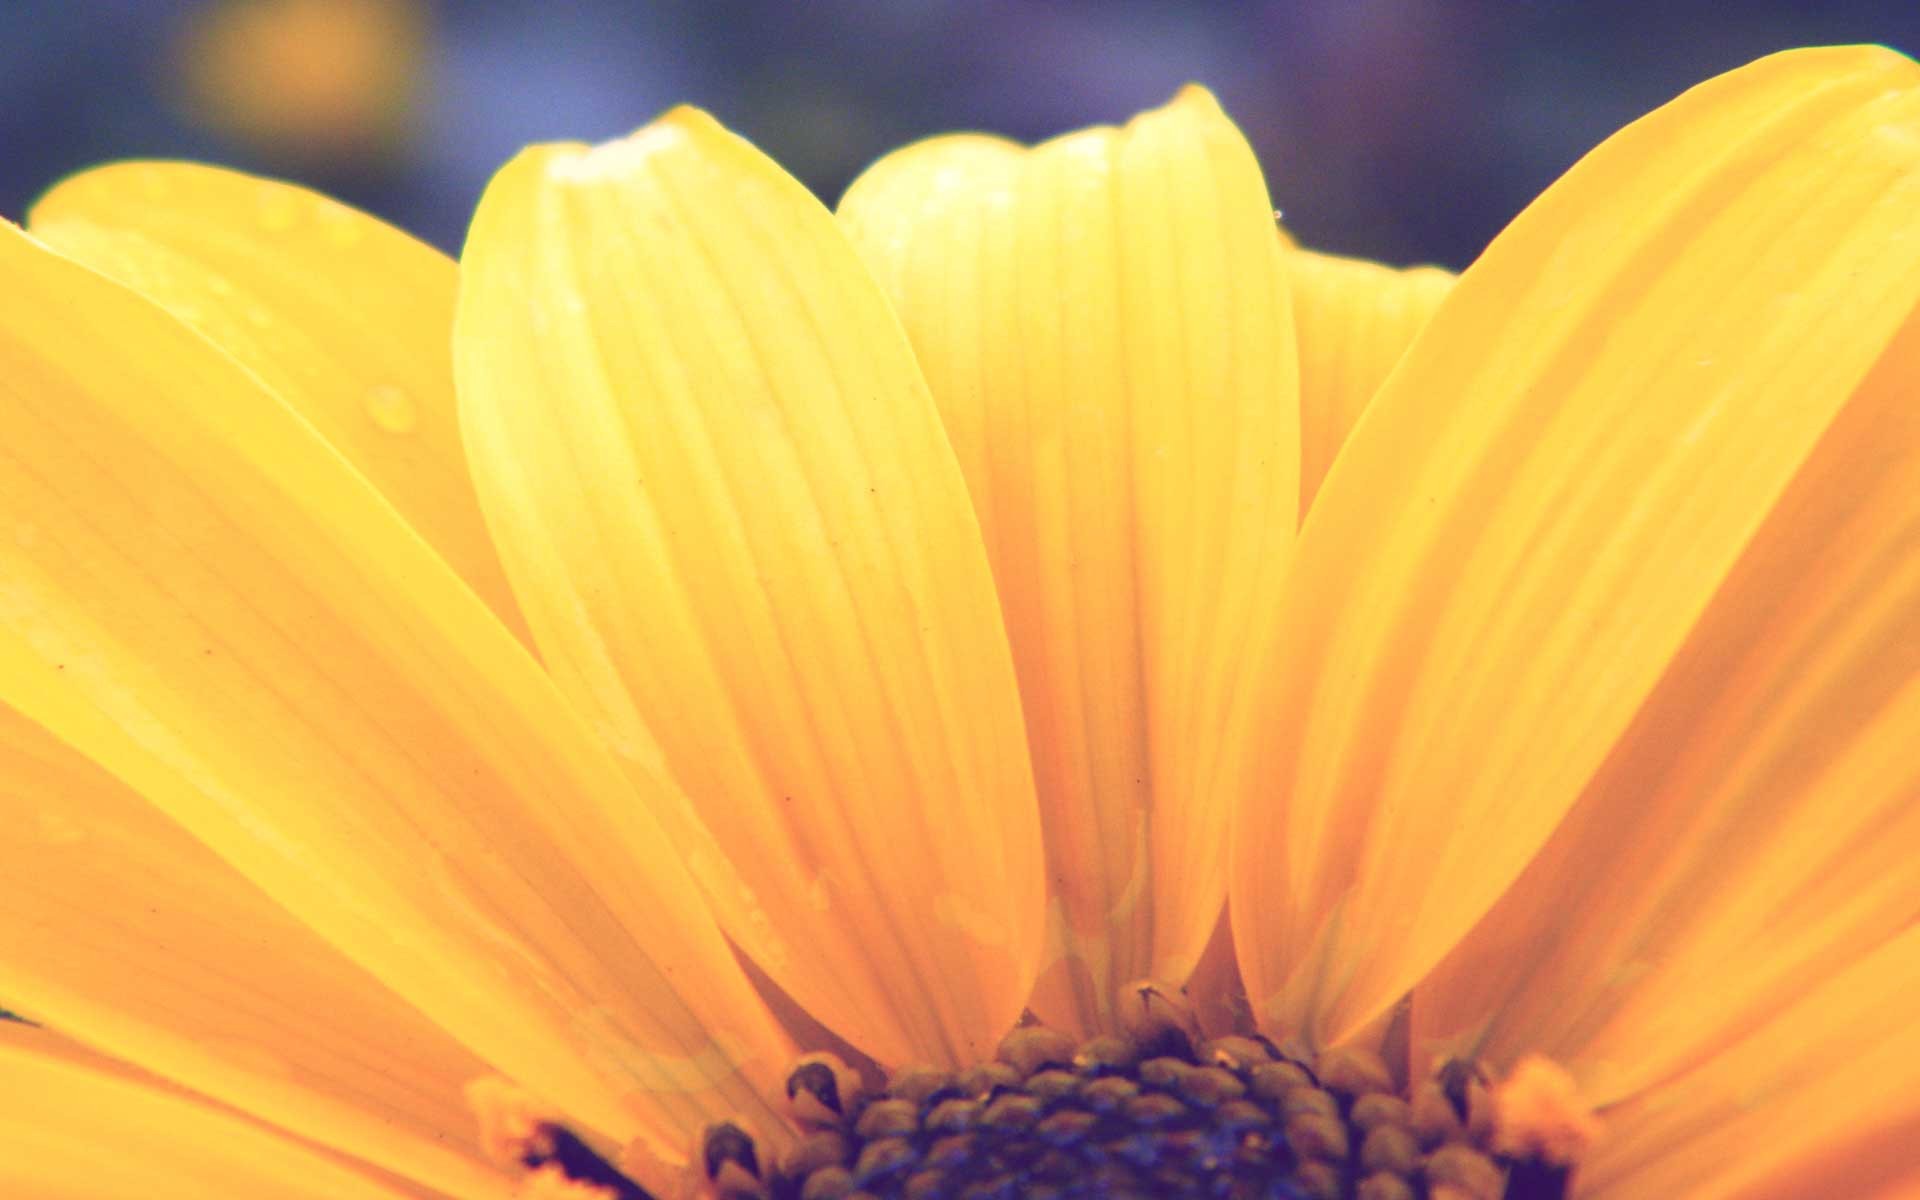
{"x": 1408, "y": 130}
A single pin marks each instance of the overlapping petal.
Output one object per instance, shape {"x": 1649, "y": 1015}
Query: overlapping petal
{"x": 1104, "y": 323}
{"x": 138, "y": 941}
{"x": 342, "y": 316}
{"x": 739, "y": 535}
{"x": 201, "y": 597}
{"x": 1823, "y": 1100}
{"x": 1354, "y": 320}
{"x": 1592, "y": 680}
{"x": 1752, "y": 832}
{"x": 79, "y": 1128}
{"x": 1540, "y": 505}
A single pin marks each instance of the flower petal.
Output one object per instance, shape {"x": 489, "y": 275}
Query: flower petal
{"x": 737, "y": 530}
{"x": 342, "y": 316}
{"x": 1354, "y": 319}
{"x": 135, "y": 939}
{"x": 198, "y": 595}
{"x": 1753, "y": 830}
{"x": 1104, "y": 323}
{"x": 1540, "y": 504}
{"x": 78, "y": 1128}
{"x": 1822, "y": 1101}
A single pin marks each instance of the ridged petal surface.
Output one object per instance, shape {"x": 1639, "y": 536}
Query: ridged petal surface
{"x": 78, "y": 1128}
{"x": 1542, "y": 501}
{"x": 342, "y": 316}
{"x": 202, "y": 597}
{"x": 1354, "y": 321}
{"x": 1824, "y": 1100}
{"x": 1104, "y": 322}
{"x": 1753, "y": 831}
{"x": 135, "y": 939}
{"x": 739, "y": 535}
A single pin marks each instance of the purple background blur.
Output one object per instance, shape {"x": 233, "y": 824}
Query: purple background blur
{"x": 1409, "y": 130}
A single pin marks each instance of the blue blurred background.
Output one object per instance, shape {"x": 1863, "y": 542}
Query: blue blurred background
{"x": 1408, "y": 130}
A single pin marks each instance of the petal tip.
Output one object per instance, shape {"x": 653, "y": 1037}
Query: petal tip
{"x": 141, "y": 179}
{"x": 681, "y": 131}
{"x": 684, "y": 124}
{"x": 1831, "y": 63}
{"x": 1197, "y": 98}
{"x": 1858, "y": 54}
{"x": 1192, "y": 112}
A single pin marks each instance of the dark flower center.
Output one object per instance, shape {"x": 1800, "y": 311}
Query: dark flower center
{"x": 1162, "y": 1117}
{"x": 1157, "y": 1115}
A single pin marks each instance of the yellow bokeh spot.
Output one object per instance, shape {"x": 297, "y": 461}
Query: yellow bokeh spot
{"x": 305, "y": 80}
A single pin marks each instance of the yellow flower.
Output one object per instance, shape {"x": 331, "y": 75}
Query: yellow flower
{"x": 845, "y": 636}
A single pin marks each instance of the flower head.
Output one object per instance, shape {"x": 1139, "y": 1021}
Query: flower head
{"x": 1032, "y": 682}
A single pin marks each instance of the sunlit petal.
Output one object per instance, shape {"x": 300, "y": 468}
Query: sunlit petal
{"x": 1542, "y": 501}
{"x": 1104, "y": 323}
{"x": 1355, "y": 319}
{"x": 78, "y": 1128}
{"x": 738, "y": 532}
{"x": 342, "y": 316}
{"x": 141, "y": 943}
{"x": 198, "y": 595}
{"x": 1753, "y": 831}
{"x": 1822, "y": 1101}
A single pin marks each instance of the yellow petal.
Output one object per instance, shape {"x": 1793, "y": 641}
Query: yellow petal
{"x": 198, "y": 595}
{"x": 1104, "y": 324}
{"x": 1753, "y": 830}
{"x": 135, "y": 939}
{"x": 1824, "y": 1100}
{"x": 342, "y": 316}
{"x": 737, "y": 530}
{"x": 1354, "y": 320}
{"x": 77, "y": 1128}
{"x": 1540, "y": 503}
{"x": 1214, "y": 989}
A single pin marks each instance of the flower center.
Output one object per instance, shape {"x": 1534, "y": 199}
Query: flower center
{"x": 1160, "y": 1113}
{"x": 1162, "y": 1116}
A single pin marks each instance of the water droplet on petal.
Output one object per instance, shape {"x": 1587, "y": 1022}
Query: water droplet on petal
{"x": 277, "y": 209}
{"x": 391, "y": 408}
{"x": 58, "y": 829}
{"x": 153, "y": 183}
{"x": 342, "y": 226}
